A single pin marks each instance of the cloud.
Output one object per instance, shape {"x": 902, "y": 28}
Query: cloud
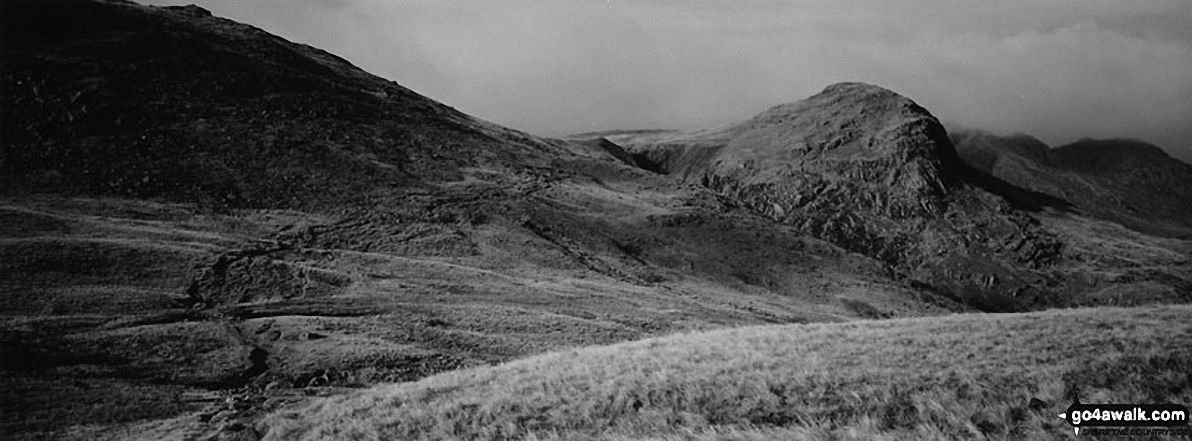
{"x": 1061, "y": 69}
{"x": 1077, "y": 81}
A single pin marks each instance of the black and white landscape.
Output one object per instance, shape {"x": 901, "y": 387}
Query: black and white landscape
{"x": 210, "y": 232}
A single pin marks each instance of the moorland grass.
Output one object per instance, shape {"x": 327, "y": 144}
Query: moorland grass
{"x": 959, "y": 376}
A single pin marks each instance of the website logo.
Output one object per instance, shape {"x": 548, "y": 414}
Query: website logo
{"x": 1125, "y": 416}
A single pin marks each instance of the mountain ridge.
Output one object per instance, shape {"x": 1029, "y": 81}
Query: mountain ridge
{"x": 1122, "y": 180}
{"x": 261, "y": 103}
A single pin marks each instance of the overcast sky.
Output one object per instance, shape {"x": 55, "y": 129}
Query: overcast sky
{"x": 1056, "y": 69}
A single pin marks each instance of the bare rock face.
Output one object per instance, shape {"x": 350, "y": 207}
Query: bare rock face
{"x": 852, "y": 148}
{"x": 875, "y": 173}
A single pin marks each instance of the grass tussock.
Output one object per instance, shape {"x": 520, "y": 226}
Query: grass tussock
{"x": 956, "y": 377}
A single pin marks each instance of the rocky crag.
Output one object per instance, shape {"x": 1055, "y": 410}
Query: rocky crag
{"x": 873, "y": 172}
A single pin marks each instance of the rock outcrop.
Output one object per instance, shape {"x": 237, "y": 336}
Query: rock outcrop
{"x": 875, "y": 173}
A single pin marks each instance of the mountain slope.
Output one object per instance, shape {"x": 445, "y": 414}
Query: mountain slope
{"x": 871, "y": 171}
{"x": 1125, "y": 181}
{"x": 1142, "y": 180}
{"x": 124, "y": 100}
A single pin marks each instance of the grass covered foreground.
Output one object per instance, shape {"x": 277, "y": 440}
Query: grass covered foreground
{"x": 966, "y": 376}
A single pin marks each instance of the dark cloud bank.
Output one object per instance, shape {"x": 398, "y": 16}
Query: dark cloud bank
{"x": 1060, "y": 70}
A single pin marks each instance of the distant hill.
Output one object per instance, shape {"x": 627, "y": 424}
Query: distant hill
{"x": 1126, "y": 181}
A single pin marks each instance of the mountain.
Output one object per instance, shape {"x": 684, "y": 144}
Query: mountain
{"x": 1125, "y": 181}
{"x": 871, "y": 171}
{"x": 201, "y": 222}
{"x": 121, "y": 100}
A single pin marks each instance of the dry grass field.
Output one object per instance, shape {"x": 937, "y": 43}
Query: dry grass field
{"x": 964, "y": 376}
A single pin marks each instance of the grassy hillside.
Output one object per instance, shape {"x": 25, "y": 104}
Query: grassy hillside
{"x": 961, "y": 376}
{"x": 115, "y": 312}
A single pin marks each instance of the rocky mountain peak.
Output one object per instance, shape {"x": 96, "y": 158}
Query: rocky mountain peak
{"x": 875, "y": 173}
{"x": 852, "y": 137}
{"x": 848, "y": 118}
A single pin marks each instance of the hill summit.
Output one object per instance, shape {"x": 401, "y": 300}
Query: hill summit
{"x": 872, "y": 171}
{"x": 851, "y": 138}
